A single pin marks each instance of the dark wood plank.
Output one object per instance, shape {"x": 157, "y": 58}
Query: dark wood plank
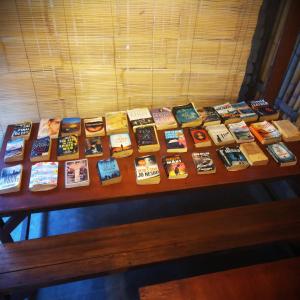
{"x": 275, "y": 280}
{"x": 62, "y": 258}
{"x": 97, "y": 194}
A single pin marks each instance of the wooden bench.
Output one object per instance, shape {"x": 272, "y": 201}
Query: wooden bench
{"x": 57, "y": 259}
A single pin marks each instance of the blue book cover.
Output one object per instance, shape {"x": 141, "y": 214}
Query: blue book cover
{"x": 175, "y": 139}
{"x": 185, "y": 113}
{"x": 108, "y": 169}
{"x": 281, "y": 153}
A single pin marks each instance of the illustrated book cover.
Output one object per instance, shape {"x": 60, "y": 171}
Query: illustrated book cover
{"x": 241, "y": 132}
{"x": 77, "y": 173}
{"x": 200, "y": 137}
{"x": 174, "y": 166}
{"x": 120, "y": 145}
{"x": 14, "y": 150}
{"x": 67, "y": 147}
{"x": 265, "y": 132}
{"x": 49, "y": 127}
{"x": 163, "y": 118}
{"x": 93, "y": 146}
{"x": 233, "y": 158}
{"x": 70, "y": 126}
{"x": 41, "y": 149}
{"x": 187, "y": 115}
{"x": 94, "y": 127}
{"x": 147, "y": 139}
{"x": 109, "y": 171}
{"x": 246, "y": 113}
{"x": 146, "y": 170}
{"x": 282, "y": 154}
{"x": 10, "y": 179}
{"x": 175, "y": 141}
{"x": 227, "y": 113}
{"x": 203, "y": 163}
{"x": 22, "y": 130}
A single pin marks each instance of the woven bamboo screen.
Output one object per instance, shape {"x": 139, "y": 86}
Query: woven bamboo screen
{"x": 72, "y": 57}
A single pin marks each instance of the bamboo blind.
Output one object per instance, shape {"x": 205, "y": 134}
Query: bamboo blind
{"x": 83, "y": 58}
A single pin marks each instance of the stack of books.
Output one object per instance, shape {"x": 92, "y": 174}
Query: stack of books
{"x": 175, "y": 141}
{"x": 77, "y": 173}
{"x": 289, "y": 132}
{"x": 10, "y": 179}
{"x": 233, "y": 158}
{"x": 14, "y": 150}
{"x": 109, "y": 171}
{"x": 227, "y": 113}
{"x": 174, "y": 166}
{"x": 264, "y": 110}
{"x": 120, "y": 145}
{"x": 163, "y": 118}
{"x": 147, "y": 139}
{"x": 282, "y": 155}
{"x": 265, "y": 132}
{"x": 254, "y": 155}
{"x": 220, "y": 135}
{"x": 187, "y": 115}
{"x": 241, "y": 132}
{"x": 146, "y": 170}
{"x": 246, "y": 113}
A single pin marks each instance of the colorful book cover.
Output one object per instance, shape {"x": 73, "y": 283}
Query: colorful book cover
{"x": 175, "y": 139}
{"x": 163, "y": 117}
{"x": 232, "y": 157}
{"x": 244, "y": 110}
{"x": 70, "y": 126}
{"x": 77, "y": 173}
{"x": 203, "y": 162}
{"x": 174, "y": 166}
{"x": 140, "y": 116}
{"x": 49, "y": 127}
{"x": 241, "y": 132}
{"x": 146, "y": 167}
{"x": 22, "y": 130}
{"x": 94, "y": 127}
{"x": 40, "y": 147}
{"x": 262, "y": 107}
{"x": 264, "y": 130}
{"x": 44, "y": 173}
{"x": 14, "y": 148}
{"x": 120, "y": 142}
{"x": 199, "y": 135}
{"x": 93, "y": 146}
{"x": 67, "y": 145}
{"x": 145, "y": 136}
{"x": 281, "y": 153}
{"x": 185, "y": 113}
{"x": 108, "y": 169}
{"x": 226, "y": 111}
{"x": 10, "y": 178}
{"x": 209, "y": 114}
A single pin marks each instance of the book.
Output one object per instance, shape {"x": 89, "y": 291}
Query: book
{"x": 264, "y": 110}
{"x": 254, "y": 155}
{"x": 94, "y": 127}
{"x": 93, "y": 146}
{"x": 282, "y": 155}
{"x": 233, "y": 158}
{"x": 187, "y": 115}
{"x": 175, "y": 141}
{"x": 14, "y": 150}
{"x": 203, "y": 163}
{"x": 49, "y": 127}
{"x": 246, "y": 113}
{"x": 67, "y": 148}
{"x": 77, "y": 173}
{"x": 220, "y": 134}
{"x": 209, "y": 116}
{"x": 147, "y": 139}
{"x": 22, "y": 130}
{"x": 146, "y": 170}
{"x": 43, "y": 176}
{"x": 227, "y": 113}
{"x": 109, "y": 171}
{"x": 200, "y": 137}
{"x": 163, "y": 118}
{"x": 41, "y": 149}
{"x": 120, "y": 145}
{"x": 241, "y": 132}
{"x": 289, "y": 132}
{"x": 140, "y": 117}
{"x": 10, "y": 179}
{"x": 116, "y": 122}
{"x": 174, "y": 166}
{"x": 70, "y": 126}
{"x": 265, "y": 132}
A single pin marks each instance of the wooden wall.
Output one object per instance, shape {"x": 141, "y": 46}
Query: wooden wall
{"x": 72, "y": 57}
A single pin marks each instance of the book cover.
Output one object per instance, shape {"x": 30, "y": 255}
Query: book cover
{"x": 241, "y": 132}
{"x": 175, "y": 139}
{"x": 254, "y": 154}
{"x": 43, "y": 176}
{"x": 227, "y": 112}
{"x": 22, "y": 130}
{"x": 14, "y": 150}
{"x": 220, "y": 134}
{"x": 94, "y": 127}
{"x": 233, "y": 158}
{"x": 49, "y": 127}
{"x": 244, "y": 110}
{"x": 209, "y": 116}
{"x": 281, "y": 153}
{"x": 120, "y": 142}
{"x": 264, "y": 131}
{"x": 116, "y": 122}
{"x": 70, "y": 126}
{"x": 203, "y": 162}
{"x": 146, "y": 136}
{"x": 67, "y": 145}
{"x": 174, "y": 167}
{"x": 93, "y": 146}
{"x": 77, "y": 173}
{"x": 185, "y": 113}
{"x": 108, "y": 169}
{"x": 163, "y": 117}
{"x": 140, "y": 117}
{"x": 41, "y": 148}
{"x": 263, "y": 108}
{"x": 146, "y": 167}
{"x": 10, "y": 179}
{"x": 289, "y": 132}
{"x": 199, "y": 135}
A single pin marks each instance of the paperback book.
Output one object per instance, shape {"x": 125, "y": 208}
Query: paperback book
{"x": 209, "y": 116}
{"x": 187, "y": 115}
{"x": 10, "y": 179}
{"x": 203, "y": 163}
{"x": 264, "y": 110}
{"x": 41, "y": 149}
{"x": 120, "y": 145}
{"x": 289, "y": 132}
{"x": 163, "y": 118}
{"x": 175, "y": 141}
{"x": 67, "y": 148}
{"x": 265, "y": 132}
{"x": 43, "y": 176}
{"x": 116, "y": 122}
{"x": 14, "y": 150}
{"x": 109, "y": 171}
{"x": 146, "y": 139}
{"x": 77, "y": 173}
{"x": 254, "y": 155}
{"x": 220, "y": 135}
{"x": 146, "y": 170}
{"x": 94, "y": 127}
{"x": 200, "y": 137}
{"x": 174, "y": 166}
{"x": 227, "y": 113}
{"x": 22, "y": 130}
{"x": 246, "y": 113}
{"x": 93, "y": 146}
{"x": 233, "y": 158}
{"x": 49, "y": 127}
{"x": 70, "y": 126}
{"x": 282, "y": 155}
{"x": 241, "y": 132}
{"x": 140, "y": 117}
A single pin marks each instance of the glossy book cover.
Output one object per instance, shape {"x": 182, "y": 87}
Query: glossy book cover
{"x": 108, "y": 169}
{"x": 146, "y": 167}
{"x": 67, "y": 145}
{"x": 40, "y": 147}
{"x": 175, "y": 139}
{"x": 185, "y": 113}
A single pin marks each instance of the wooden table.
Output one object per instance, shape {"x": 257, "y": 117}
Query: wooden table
{"x": 276, "y": 280}
{"x": 19, "y": 205}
